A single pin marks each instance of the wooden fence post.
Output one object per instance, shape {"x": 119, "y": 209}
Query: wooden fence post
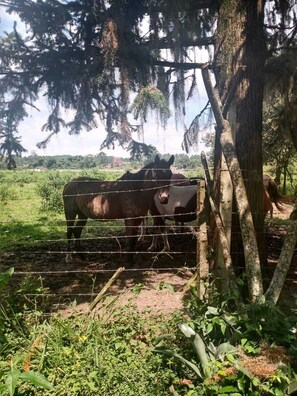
{"x": 202, "y": 263}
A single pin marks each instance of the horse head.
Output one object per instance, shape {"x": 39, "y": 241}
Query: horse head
{"x": 161, "y": 172}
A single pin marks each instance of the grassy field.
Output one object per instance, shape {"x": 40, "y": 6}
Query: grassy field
{"x": 119, "y": 351}
{"x": 31, "y": 207}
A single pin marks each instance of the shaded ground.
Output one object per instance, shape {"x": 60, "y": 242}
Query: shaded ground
{"x": 156, "y": 281}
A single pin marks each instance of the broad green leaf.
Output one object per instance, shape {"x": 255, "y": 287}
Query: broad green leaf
{"x": 292, "y": 387}
{"x": 223, "y": 327}
{"x": 212, "y": 310}
{"x": 186, "y": 330}
{"x": 12, "y": 380}
{"x": 36, "y": 379}
{"x": 225, "y": 348}
{"x": 170, "y": 287}
{"x": 202, "y": 355}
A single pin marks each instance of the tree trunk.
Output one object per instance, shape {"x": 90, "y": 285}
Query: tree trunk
{"x": 239, "y": 65}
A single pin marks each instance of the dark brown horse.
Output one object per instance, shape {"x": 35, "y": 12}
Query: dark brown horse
{"x": 272, "y": 195}
{"x": 128, "y": 198}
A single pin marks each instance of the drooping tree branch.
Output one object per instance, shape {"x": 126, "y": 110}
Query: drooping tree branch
{"x": 180, "y": 65}
{"x": 165, "y": 43}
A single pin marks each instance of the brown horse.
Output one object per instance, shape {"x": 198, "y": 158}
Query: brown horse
{"x": 272, "y": 195}
{"x": 128, "y": 198}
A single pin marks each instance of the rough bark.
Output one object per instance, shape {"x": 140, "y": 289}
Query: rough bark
{"x": 238, "y": 67}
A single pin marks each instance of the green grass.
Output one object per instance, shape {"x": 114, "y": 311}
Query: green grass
{"x": 26, "y": 216}
{"x": 22, "y": 219}
{"x": 110, "y": 355}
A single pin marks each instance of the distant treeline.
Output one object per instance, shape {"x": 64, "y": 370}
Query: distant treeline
{"x": 101, "y": 160}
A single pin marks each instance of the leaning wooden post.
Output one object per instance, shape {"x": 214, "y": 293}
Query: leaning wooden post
{"x": 202, "y": 263}
{"x": 252, "y": 260}
{"x": 228, "y": 273}
{"x": 279, "y": 277}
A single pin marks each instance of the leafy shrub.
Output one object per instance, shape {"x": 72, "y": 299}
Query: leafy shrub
{"x": 6, "y": 193}
{"x": 204, "y": 349}
{"x": 50, "y": 189}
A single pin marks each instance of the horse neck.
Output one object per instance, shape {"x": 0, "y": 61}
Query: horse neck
{"x": 147, "y": 184}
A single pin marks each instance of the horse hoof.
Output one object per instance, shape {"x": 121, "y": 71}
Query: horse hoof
{"x": 151, "y": 248}
{"x": 130, "y": 260}
{"x": 82, "y": 256}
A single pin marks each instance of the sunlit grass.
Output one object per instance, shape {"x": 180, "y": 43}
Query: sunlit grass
{"x": 24, "y": 223}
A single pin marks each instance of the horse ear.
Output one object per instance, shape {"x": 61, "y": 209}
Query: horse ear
{"x": 171, "y": 160}
{"x": 157, "y": 159}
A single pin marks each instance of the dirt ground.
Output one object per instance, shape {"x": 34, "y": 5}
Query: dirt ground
{"x": 156, "y": 282}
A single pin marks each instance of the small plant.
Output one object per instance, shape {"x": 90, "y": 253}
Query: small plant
{"x": 14, "y": 378}
{"x": 208, "y": 355}
{"x": 161, "y": 285}
{"x": 136, "y": 289}
{"x": 4, "y": 278}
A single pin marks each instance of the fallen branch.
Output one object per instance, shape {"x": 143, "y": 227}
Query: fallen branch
{"x": 105, "y": 288}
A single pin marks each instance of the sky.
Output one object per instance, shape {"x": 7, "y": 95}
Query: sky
{"x": 168, "y": 140}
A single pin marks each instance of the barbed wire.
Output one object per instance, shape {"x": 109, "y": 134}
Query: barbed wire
{"x": 101, "y": 223}
{"x": 62, "y": 221}
{"x": 107, "y": 271}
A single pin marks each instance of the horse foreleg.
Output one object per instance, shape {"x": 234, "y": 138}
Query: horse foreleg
{"x": 271, "y": 211}
{"x": 166, "y": 247}
{"x": 81, "y": 222}
{"x": 142, "y": 227}
{"x": 131, "y": 234}
{"x": 159, "y": 224}
{"x": 70, "y": 231}
{"x": 154, "y": 243}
